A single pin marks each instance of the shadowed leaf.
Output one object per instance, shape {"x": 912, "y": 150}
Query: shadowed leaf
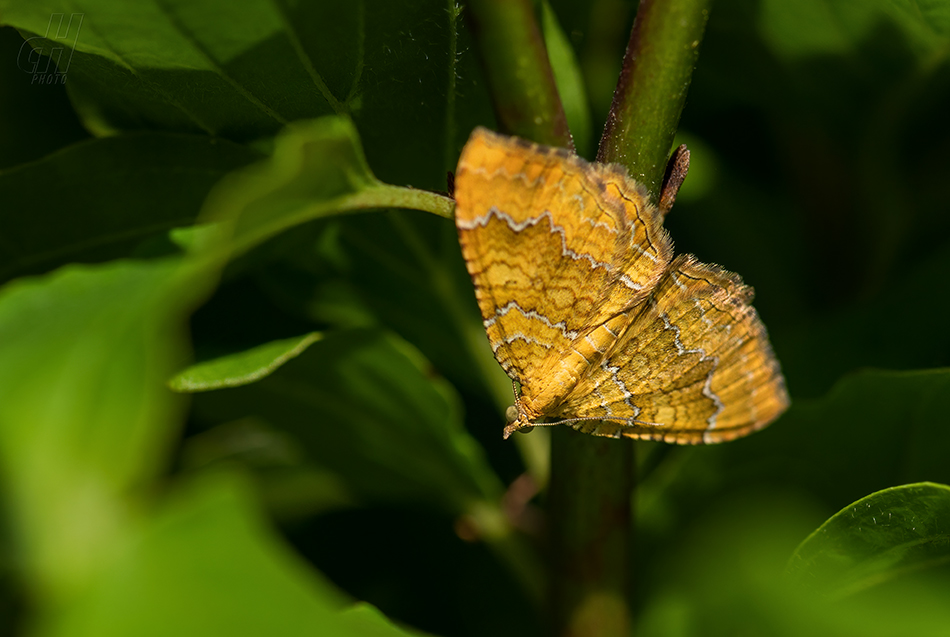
{"x": 847, "y": 442}
{"x": 244, "y": 70}
{"x": 98, "y": 199}
{"x": 361, "y": 404}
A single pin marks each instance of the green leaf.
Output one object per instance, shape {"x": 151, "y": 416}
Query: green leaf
{"x": 364, "y": 406}
{"x": 402, "y": 271}
{"x": 205, "y": 564}
{"x": 96, "y": 200}
{"x": 876, "y": 539}
{"x": 243, "y": 367}
{"x": 723, "y": 576}
{"x": 875, "y": 429}
{"x": 317, "y": 169}
{"x": 260, "y": 65}
{"x": 81, "y": 439}
{"x": 364, "y": 619}
{"x": 400, "y": 264}
{"x": 86, "y": 417}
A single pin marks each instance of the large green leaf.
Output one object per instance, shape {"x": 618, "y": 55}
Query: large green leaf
{"x": 244, "y": 70}
{"x": 96, "y": 200}
{"x": 879, "y": 538}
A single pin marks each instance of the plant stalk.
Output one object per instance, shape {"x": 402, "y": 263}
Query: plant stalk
{"x": 651, "y": 92}
{"x": 519, "y": 73}
{"x": 593, "y": 479}
{"x": 589, "y": 521}
{"x": 590, "y": 534}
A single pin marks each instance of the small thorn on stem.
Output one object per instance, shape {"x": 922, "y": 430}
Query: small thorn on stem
{"x": 676, "y": 170}
{"x": 450, "y": 184}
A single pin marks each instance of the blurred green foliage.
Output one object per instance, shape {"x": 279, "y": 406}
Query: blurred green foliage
{"x": 366, "y": 465}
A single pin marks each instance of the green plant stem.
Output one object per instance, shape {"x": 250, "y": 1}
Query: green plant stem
{"x": 651, "y": 93}
{"x": 374, "y": 197}
{"x": 589, "y": 496}
{"x": 519, "y": 73}
{"x": 590, "y": 531}
{"x": 592, "y": 479}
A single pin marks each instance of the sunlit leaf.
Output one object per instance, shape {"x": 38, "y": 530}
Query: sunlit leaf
{"x": 206, "y": 564}
{"x": 317, "y": 170}
{"x": 85, "y": 416}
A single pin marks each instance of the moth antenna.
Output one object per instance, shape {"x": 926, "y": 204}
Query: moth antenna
{"x": 629, "y": 421}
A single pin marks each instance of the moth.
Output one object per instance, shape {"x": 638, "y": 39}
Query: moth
{"x": 592, "y": 316}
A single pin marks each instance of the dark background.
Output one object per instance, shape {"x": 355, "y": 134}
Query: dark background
{"x": 819, "y": 138}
